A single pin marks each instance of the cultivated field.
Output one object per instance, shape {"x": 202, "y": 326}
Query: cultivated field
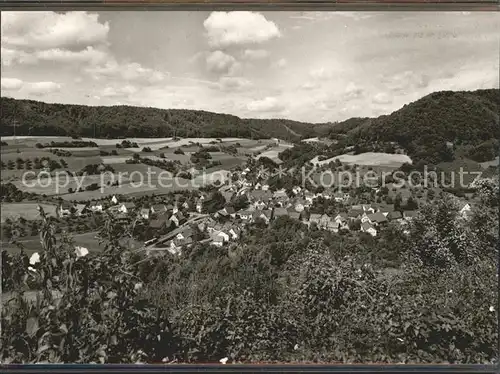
{"x": 28, "y": 211}
{"x": 369, "y": 159}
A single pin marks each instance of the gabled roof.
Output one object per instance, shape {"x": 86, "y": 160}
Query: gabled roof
{"x": 294, "y": 215}
{"x": 187, "y": 232}
{"x": 342, "y": 215}
{"x": 280, "y": 212}
{"x": 394, "y": 215}
{"x": 260, "y": 195}
{"x": 230, "y": 210}
{"x": 366, "y": 226}
{"x": 158, "y": 207}
{"x": 157, "y": 223}
{"x": 354, "y": 213}
{"x": 129, "y": 205}
{"x": 228, "y": 196}
{"x": 377, "y": 217}
{"x": 245, "y": 213}
{"x": 66, "y": 205}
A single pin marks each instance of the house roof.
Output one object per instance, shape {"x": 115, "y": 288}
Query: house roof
{"x": 66, "y": 205}
{"x": 80, "y": 207}
{"x": 230, "y": 209}
{"x": 158, "y": 207}
{"x": 377, "y": 217}
{"x": 187, "y": 232}
{"x": 294, "y": 215}
{"x": 280, "y": 212}
{"x": 394, "y": 215}
{"x": 129, "y": 205}
{"x": 144, "y": 210}
{"x": 157, "y": 223}
{"x": 260, "y": 195}
{"x": 357, "y": 207}
{"x": 354, "y": 213}
{"x": 366, "y": 226}
{"x": 342, "y": 215}
{"x": 315, "y": 217}
{"x": 228, "y": 196}
{"x": 245, "y": 213}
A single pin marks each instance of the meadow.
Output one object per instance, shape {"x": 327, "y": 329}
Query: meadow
{"x": 369, "y": 159}
{"x": 28, "y": 211}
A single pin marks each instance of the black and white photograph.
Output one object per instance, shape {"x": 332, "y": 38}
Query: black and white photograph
{"x": 249, "y": 187}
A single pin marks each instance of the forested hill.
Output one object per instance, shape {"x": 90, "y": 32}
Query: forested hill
{"x": 427, "y": 127}
{"x": 39, "y": 118}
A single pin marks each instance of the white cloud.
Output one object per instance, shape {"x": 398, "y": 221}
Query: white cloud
{"x": 320, "y": 73}
{"x": 41, "y": 88}
{"x": 47, "y": 30}
{"x": 255, "y": 54}
{"x": 131, "y": 71}
{"x": 234, "y": 83}
{"x": 225, "y": 29}
{"x": 382, "y": 98}
{"x": 353, "y": 91}
{"x": 221, "y": 63}
{"x": 118, "y": 91}
{"x": 89, "y": 55}
{"x": 269, "y": 104}
{"x": 11, "y": 84}
{"x": 280, "y": 64}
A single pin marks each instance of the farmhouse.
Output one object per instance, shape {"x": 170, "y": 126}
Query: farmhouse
{"x": 366, "y": 227}
{"x": 464, "y": 209}
{"x": 158, "y": 208}
{"x": 395, "y": 215}
{"x": 376, "y": 218}
{"x": 126, "y": 207}
{"x": 96, "y": 206}
{"x": 279, "y": 212}
{"x": 65, "y": 208}
{"x": 144, "y": 213}
{"x": 159, "y": 223}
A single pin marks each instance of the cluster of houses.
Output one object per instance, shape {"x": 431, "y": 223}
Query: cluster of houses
{"x": 175, "y": 225}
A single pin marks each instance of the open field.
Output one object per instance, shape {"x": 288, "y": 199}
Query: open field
{"x": 61, "y": 184}
{"x": 111, "y": 160}
{"x": 368, "y": 158}
{"x": 30, "y": 153}
{"x": 487, "y": 164}
{"x": 28, "y": 211}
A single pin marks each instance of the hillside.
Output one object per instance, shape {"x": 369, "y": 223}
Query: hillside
{"x": 468, "y": 119}
{"x": 39, "y": 118}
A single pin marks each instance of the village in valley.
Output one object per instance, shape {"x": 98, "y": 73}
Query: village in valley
{"x": 219, "y": 214}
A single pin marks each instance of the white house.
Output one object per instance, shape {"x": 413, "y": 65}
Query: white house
{"x": 64, "y": 209}
{"x": 366, "y": 227}
{"x": 199, "y": 206}
{"x": 96, "y": 207}
{"x": 114, "y": 200}
{"x": 465, "y": 209}
{"x": 126, "y": 207}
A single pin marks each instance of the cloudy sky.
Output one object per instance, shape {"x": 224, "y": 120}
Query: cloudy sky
{"x": 308, "y": 66}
